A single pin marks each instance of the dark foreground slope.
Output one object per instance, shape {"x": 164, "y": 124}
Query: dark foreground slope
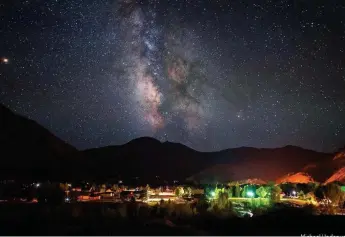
{"x": 112, "y": 219}
{"x": 30, "y": 151}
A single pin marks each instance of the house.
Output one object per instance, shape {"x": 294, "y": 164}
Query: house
{"x": 107, "y": 193}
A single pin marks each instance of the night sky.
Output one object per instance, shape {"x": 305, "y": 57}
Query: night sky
{"x": 208, "y": 74}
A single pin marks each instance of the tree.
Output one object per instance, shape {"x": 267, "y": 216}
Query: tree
{"x": 333, "y": 192}
{"x": 223, "y": 200}
{"x": 189, "y": 191}
{"x": 320, "y": 192}
{"x": 312, "y": 187}
{"x": 217, "y": 191}
{"x": 64, "y": 186}
{"x": 275, "y": 193}
{"x": 244, "y": 191}
{"x": 237, "y": 190}
{"x": 261, "y": 192}
{"x": 301, "y": 195}
{"x": 179, "y": 191}
{"x": 230, "y": 192}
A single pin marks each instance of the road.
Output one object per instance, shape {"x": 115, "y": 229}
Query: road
{"x": 286, "y": 200}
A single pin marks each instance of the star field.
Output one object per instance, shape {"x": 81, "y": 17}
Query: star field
{"x": 209, "y": 74}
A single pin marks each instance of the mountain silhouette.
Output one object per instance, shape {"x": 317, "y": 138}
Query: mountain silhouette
{"x": 147, "y": 158}
{"x": 28, "y": 150}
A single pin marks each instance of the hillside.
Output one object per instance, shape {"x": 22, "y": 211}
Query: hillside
{"x": 30, "y": 151}
{"x": 339, "y": 164}
{"x": 299, "y": 177}
{"x": 266, "y": 164}
{"x": 147, "y": 157}
{"x": 338, "y": 176}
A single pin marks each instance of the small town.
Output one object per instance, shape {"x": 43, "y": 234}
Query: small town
{"x": 246, "y": 196}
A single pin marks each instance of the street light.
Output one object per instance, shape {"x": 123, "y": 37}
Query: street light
{"x": 250, "y": 194}
{"x": 213, "y": 194}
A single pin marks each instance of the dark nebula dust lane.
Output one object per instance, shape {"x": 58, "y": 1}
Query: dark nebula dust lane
{"x": 208, "y": 74}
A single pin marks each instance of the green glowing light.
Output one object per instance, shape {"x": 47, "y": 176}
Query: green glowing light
{"x": 250, "y": 194}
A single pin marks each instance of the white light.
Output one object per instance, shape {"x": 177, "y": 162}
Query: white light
{"x": 38, "y": 184}
{"x": 5, "y": 60}
{"x": 250, "y": 194}
{"x": 293, "y": 192}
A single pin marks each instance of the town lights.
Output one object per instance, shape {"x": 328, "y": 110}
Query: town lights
{"x": 294, "y": 193}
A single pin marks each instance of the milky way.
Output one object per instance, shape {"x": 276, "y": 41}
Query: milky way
{"x": 163, "y": 77}
{"x": 209, "y": 74}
